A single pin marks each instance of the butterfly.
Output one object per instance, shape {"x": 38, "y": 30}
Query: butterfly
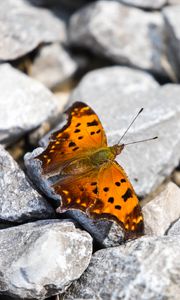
{"x": 89, "y": 178}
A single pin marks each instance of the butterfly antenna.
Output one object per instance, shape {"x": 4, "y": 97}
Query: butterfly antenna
{"x": 146, "y": 140}
{"x": 130, "y": 124}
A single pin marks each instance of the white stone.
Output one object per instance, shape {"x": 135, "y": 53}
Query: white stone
{"x": 42, "y": 259}
{"x": 24, "y": 104}
{"x": 146, "y": 268}
{"x": 124, "y": 34}
{"x": 24, "y": 27}
{"x": 19, "y": 202}
{"x": 162, "y": 211}
{"x": 53, "y": 66}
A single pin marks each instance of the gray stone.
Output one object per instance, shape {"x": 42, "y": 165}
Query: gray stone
{"x": 24, "y": 27}
{"x": 106, "y": 233}
{"x": 34, "y": 171}
{"x": 146, "y": 4}
{"x": 41, "y": 259}
{"x": 53, "y": 65}
{"x": 19, "y": 202}
{"x": 173, "y": 2}
{"x": 175, "y": 228}
{"x": 147, "y": 164}
{"x": 123, "y": 34}
{"x": 25, "y": 104}
{"x": 162, "y": 211}
{"x": 172, "y": 24}
{"x": 146, "y": 268}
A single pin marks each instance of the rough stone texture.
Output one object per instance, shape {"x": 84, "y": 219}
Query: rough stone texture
{"x": 172, "y": 26}
{"x": 147, "y": 164}
{"x": 106, "y": 233}
{"x": 146, "y": 4}
{"x": 162, "y": 211}
{"x": 34, "y": 171}
{"x": 108, "y": 28}
{"x": 24, "y": 104}
{"x": 19, "y": 202}
{"x": 41, "y": 259}
{"x": 24, "y": 27}
{"x": 53, "y": 65}
{"x": 146, "y": 268}
{"x": 175, "y": 228}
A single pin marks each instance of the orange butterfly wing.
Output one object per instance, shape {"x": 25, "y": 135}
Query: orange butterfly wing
{"x": 103, "y": 194}
{"x": 117, "y": 199}
{"x": 83, "y": 132}
{"x": 77, "y": 192}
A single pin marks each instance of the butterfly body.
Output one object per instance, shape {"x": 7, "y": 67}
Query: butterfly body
{"x": 90, "y": 178}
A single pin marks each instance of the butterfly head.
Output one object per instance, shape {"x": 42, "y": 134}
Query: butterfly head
{"x": 117, "y": 149}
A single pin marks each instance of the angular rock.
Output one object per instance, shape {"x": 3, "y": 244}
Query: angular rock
{"x": 145, "y": 4}
{"x": 172, "y": 25}
{"x": 41, "y": 259}
{"x": 25, "y": 27}
{"x": 124, "y": 34}
{"x": 19, "y": 202}
{"x": 162, "y": 211}
{"x": 175, "y": 228}
{"x": 24, "y": 104}
{"x": 147, "y": 164}
{"x": 53, "y": 65}
{"x": 106, "y": 233}
{"x": 146, "y": 268}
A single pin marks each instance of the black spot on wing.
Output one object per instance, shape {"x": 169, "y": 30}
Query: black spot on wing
{"x": 123, "y": 180}
{"x": 95, "y": 191}
{"x": 106, "y": 189}
{"x": 117, "y": 207}
{"x": 77, "y": 130}
{"x": 78, "y": 124}
{"x": 127, "y": 195}
{"x": 76, "y": 148}
{"x": 93, "y": 123}
{"x": 72, "y": 144}
{"x": 111, "y": 200}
